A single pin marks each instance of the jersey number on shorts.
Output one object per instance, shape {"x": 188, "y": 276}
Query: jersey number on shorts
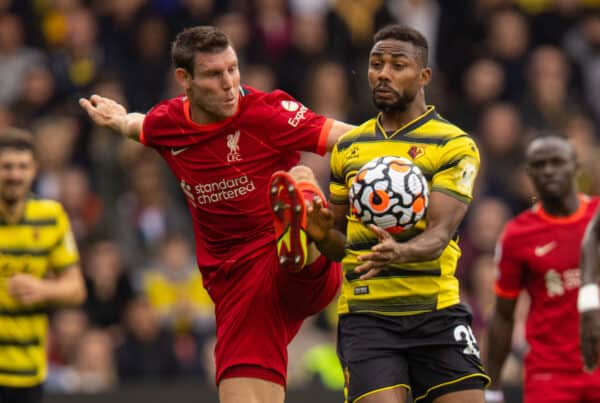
{"x": 464, "y": 334}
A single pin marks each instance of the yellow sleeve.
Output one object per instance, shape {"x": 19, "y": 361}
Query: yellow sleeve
{"x": 338, "y": 191}
{"x": 458, "y": 168}
{"x": 64, "y": 253}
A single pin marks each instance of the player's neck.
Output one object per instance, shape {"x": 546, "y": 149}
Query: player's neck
{"x": 394, "y": 120}
{"x": 563, "y": 207}
{"x": 12, "y": 212}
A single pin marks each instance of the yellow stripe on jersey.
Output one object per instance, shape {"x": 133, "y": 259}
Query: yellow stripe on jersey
{"x": 39, "y": 244}
{"x": 450, "y": 160}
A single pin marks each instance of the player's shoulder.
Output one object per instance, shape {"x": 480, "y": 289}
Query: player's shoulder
{"x": 168, "y": 105}
{"x": 40, "y": 209}
{"x": 364, "y": 130}
{"x": 167, "y": 109}
{"x": 436, "y": 126}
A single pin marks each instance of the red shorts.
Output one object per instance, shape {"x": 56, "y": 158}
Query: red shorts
{"x": 552, "y": 387}
{"x": 259, "y": 309}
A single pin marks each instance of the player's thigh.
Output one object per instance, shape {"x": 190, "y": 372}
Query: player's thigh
{"x": 381, "y": 379}
{"x": 307, "y": 293}
{"x": 448, "y": 358}
{"x": 250, "y": 390}
{"x": 371, "y": 374}
{"x": 462, "y": 396}
{"x": 247, "y": 315}
{"x": 552, "y": 388}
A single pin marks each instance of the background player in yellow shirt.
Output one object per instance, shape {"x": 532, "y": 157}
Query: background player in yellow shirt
{"x": 402, "y": 327}
{"x": 38, "y": 267}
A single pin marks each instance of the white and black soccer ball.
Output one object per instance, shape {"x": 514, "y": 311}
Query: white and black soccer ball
{"x": 390, "y": 192}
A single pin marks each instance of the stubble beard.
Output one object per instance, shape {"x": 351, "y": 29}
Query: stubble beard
{"x": 401, "y": 104}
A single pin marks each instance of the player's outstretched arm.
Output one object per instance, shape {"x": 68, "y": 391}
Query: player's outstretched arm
{"x": 337, "y": 130}
{"x": 499, "y": 341}
{"x": 110, "y": 114}
{"x": 588, "y": 301}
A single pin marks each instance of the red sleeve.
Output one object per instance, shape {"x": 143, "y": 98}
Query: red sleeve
{"x": 292, "y": 126}
{"x": 152, "y": 123}
{"x": 510, "y": 277}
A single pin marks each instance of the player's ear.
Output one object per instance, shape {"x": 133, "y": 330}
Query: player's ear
{"x": 183, "y": 78}
{"x": 425, "y": 76}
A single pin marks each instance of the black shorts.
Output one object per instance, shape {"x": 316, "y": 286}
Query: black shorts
{"x": 33, "y": 394}
{"x": 429, "y": 354}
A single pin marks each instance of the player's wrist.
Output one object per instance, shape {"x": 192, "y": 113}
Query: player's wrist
{"x": 494, "y": 396}
{"x": 588, "y": 298}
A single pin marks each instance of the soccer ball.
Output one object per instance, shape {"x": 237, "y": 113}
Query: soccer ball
{"x": 390, "y": 192}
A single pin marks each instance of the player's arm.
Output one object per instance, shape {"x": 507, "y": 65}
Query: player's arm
{"x": 66, "y": 288}
{"x": 588, "y": 302}
{"x": 337, "y": 130}
{"x": 444, "y": 215}
{"x": 499, "y": 336}
{"x": 326, "y": 227}
{"x": 107, "y": 113}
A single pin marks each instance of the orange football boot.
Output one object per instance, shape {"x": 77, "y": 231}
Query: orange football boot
{"x": 288, "y": 203}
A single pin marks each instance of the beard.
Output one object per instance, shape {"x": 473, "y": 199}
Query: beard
{"x": 400, "y": 104}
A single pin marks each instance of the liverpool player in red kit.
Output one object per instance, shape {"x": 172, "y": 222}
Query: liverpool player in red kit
{"x": 539, "y": 253}
{"x": 224, "y": 142}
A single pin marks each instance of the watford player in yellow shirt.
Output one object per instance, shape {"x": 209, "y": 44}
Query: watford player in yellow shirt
{"x": 38, "y": 267}
{"x": 402, "y": 328}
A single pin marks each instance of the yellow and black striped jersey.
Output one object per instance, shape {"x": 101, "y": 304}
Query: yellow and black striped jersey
{"x": 39, "y": 244}
{"x": 450, "y": 160}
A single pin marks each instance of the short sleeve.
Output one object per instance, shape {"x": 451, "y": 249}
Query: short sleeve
{"x": 64, "y": 253}
{"x": 293, "y": 127}
{"x": 152, "y": 121}
{"x": 510, "y": 267}
{"x": 338, "y": 190}
{"x": 460, "y": 165}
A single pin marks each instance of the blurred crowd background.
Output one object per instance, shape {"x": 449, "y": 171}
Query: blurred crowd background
{"x": 505, "y": 71}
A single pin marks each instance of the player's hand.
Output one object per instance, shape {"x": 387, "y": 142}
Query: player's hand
{"x": 319, "y": 220}
{"x": 27, "y": 289}
{"x": 382, "y": 254}
{"x": 590, "y": 336}
{"x": 105, "y": 112}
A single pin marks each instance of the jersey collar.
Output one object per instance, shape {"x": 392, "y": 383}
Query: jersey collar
{"x": 419, "y": 121}
{"x": 584, "y": 200}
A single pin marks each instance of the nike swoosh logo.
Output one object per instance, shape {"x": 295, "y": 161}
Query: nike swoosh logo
{"x": 542, "y": 250}
{"x": 177, "y": 151}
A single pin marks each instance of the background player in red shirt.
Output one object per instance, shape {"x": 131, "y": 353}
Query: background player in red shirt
{"x": 539, "y": 253}
{"x": 223, "y": 142}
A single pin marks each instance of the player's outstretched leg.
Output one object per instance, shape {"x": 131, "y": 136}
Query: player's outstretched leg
{"x": 288, "y": 195}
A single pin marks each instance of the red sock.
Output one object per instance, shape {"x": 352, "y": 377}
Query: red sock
{"x": 310, "y": 190}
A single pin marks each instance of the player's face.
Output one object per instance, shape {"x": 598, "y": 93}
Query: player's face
{"x": 17, "y": 171}
{"x": 552, "y": 168}
{"x": 214, "y": 88}
{"x": 395, "y": 75}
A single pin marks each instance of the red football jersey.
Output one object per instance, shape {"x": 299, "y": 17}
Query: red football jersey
{"x": 540, "y": 253}
{"x": 224, "y": 168}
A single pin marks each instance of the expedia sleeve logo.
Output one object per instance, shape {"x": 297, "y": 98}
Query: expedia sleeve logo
{"x": 292, "y": 106}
